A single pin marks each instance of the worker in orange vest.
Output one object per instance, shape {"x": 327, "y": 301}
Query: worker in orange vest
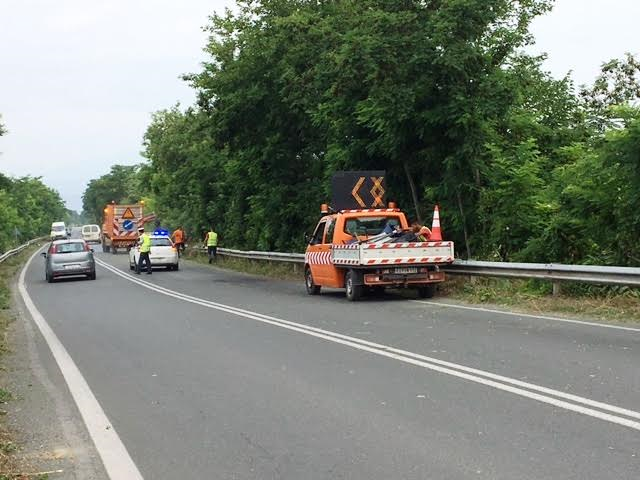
{"x": 178, "y": 238}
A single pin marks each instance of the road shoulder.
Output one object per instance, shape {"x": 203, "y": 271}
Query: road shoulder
{"x": 45, "y": 423}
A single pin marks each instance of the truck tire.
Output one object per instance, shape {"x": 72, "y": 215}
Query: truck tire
{"x": 105, "y": 247}
{"x": 312, "y": 288}
{"x": 114, "y": 250}
{"x": 352, "y": 287}
{"x": 427, "y": 291}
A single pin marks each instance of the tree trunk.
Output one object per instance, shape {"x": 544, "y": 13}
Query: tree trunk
{"x": 414, "y": 193}
{"x": 464, "y": 225}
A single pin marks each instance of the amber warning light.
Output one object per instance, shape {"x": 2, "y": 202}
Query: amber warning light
{"x": 324, "y": 208}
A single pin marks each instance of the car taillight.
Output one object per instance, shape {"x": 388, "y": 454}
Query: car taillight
{"x": 53, "y": 249}
{"x": 86, "y": 247}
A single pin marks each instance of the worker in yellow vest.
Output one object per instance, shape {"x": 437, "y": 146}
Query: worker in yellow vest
{"x": 211, "y": 240}
{"x": 144, "y": 242}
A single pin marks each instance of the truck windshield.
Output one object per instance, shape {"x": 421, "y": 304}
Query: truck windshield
{"x": 57, "y": 228}
{"x": 369, "y": 225}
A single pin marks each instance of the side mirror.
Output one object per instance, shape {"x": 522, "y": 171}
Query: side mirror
{"x": 44, "y": 254}
{"x": 307, "y": 238}
{"x": 92, "y": 249}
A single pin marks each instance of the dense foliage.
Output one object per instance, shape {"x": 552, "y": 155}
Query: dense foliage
{"x": 438, "y": 93}
{"x": 119, "y": 185}
{"x": 27, "y": 209}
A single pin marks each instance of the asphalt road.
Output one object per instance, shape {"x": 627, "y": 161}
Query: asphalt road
{"x": 198, "y": 389}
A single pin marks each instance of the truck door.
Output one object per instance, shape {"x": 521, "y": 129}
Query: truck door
{"x": 319, "y": 254}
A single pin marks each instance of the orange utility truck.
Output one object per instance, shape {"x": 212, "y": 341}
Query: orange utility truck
{"x": 120, "y": 226}
{"x": 372, "y": 248}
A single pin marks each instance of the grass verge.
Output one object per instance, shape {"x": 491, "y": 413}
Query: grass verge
{"x": 617, "y": 304}
{"x": 8, "y": 447}
{"x": 612, "y": 304}
{"x": 278, "y": 270}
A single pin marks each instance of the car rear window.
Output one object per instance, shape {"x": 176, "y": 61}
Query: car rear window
{"x": 161, "y": 242}
{"x": 70, "y": 247}
{"x": 95, "y": 229}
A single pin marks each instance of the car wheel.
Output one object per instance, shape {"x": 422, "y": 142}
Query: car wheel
{"x": 312, "y": 288}
{"x": 427, "y": 291}
{"x": 176, "y": 267}
{"x": 49, "y": 278}
{"x": 353, "y": 291}
{"x": 92, "y": 275}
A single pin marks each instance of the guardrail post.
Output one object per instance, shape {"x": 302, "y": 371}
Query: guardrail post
{"x": 556, "y": 289}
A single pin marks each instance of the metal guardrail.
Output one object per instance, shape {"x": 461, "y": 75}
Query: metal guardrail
{"x": 14, "y": 251}
{"x": 270, "y": 256}
{"x": 600, "y": 275}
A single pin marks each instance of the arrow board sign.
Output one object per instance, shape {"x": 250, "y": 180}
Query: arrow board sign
{"x": 362, "y": 189}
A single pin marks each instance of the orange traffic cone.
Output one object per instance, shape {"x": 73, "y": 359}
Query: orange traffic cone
{"x": 436, "y": 233}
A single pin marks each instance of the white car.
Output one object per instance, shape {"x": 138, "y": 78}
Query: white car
{"x": 163, "y": 253}
{"x": 91, "y": 233}
{"x": 58, "y": 231}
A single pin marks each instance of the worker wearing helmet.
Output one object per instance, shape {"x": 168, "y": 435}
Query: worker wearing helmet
{"x": 144, "y": 241}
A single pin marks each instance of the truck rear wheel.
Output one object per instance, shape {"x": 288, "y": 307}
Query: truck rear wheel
{"x": 427, "y": 291}
{"x": 351, "y": 286}
{"x": 312, "y": 288}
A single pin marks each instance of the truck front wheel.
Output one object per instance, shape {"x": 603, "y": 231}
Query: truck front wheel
{"x": 312, "y": 288}
{"x": 351, "y": 286}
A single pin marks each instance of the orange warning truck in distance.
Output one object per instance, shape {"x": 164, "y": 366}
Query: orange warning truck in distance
{"x": 120, "y": 225}
{"x": 372, "y": 248}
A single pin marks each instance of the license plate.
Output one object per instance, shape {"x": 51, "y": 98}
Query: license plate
{"x": 71, "y": 267}
{"x": 406, "y": 270}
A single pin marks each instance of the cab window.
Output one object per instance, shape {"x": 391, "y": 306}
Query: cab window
{"x": 330, "y": 230}
{"x": 370, "y": 225}
{"x": 318, "y": 235}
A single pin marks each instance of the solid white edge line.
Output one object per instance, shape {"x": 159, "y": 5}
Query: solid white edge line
{"x": 390, "y": 352}
{"x": 114, "y": 455}
{"x": 528, "y": 315}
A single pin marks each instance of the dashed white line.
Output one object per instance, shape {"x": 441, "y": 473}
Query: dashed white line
{"x": 575, "y": 403}
{"x": 114, "y": 455}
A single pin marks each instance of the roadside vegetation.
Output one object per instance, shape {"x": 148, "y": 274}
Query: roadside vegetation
{"x": 443, "y": 96}
{"x": 27, "y": 208}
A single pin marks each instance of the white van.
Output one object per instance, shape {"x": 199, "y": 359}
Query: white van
{"x": 91, "y": 233}
{"x": 58, "y": 231}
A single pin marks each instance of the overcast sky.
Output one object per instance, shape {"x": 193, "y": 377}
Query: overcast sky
{"x": 79, "y": 78}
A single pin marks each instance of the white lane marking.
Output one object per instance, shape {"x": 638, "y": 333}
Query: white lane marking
{"x": 479, "y": 376}
{"x": 114, "y": 455}
{"x": 528, "y": 315}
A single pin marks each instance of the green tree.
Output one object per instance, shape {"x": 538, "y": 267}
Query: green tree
{"x": 120, "y": 185}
